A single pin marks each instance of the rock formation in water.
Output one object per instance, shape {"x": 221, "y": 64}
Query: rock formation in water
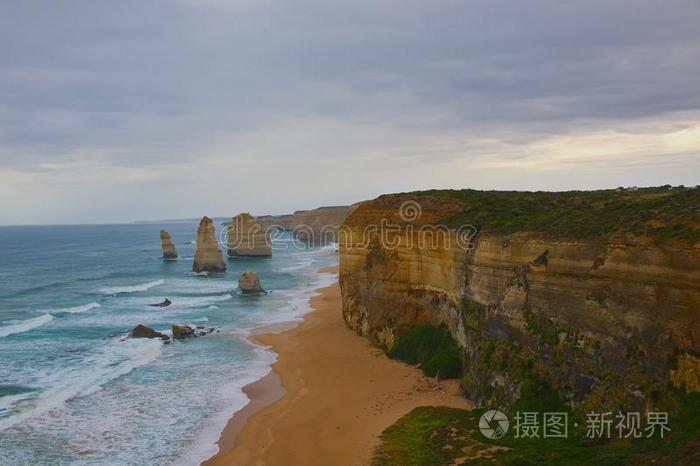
{"x": 315, "y": 226}
{"x": 249, "y": 283}
{"x": 208, "y": 257}
{"x": 597, "y": 293}
{"x": 247, "y": 238}
{"x": 181, "y": 332}
{"x": 169, "y": 251}
{"x": 165, "y": 303}
{"x": 141, "y": 331}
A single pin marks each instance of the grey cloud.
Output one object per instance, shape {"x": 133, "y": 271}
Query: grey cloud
{"x": 151, "y": 82}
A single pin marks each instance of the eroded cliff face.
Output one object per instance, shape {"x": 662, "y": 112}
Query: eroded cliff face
{"x": 247, "y": 239}
{"x": 208, "y": 257}
{"x": 317, "y": 226}
{"x": 169, "y": 250}
{"x": 603, "y": 320}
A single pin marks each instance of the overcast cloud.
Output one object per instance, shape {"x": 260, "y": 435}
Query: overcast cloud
{"x": 137, "y": 109}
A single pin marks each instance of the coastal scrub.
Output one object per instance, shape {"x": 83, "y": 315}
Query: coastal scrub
{"x": 433, "y": 348}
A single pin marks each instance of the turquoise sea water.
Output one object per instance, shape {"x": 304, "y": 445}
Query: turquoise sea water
{"x": 75, "y": 390}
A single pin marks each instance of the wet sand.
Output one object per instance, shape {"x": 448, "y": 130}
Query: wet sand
{"x": 329, "y": 396}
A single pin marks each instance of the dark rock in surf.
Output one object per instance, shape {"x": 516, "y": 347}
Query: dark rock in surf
{"x": 141, "y": 331}
{"x": 165, "y": 303}
{"x": 181, "y": 332}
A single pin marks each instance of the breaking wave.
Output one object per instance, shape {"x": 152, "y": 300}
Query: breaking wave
{"x": 133, "y": 288}
{"x": 25, "y": 325}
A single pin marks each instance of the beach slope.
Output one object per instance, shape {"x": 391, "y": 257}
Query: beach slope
{"x": 339, "y": 394}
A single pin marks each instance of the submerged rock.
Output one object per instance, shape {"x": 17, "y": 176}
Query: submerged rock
{"x": 201, "y": 331}
{"x": 169, "y": 251}
{"x": 249, "y": 283}
{"x": 182, "y": 331}
{"x": 208, "y": 257}
{"x": 141, "y": 331}
{"x": 247, "y": 239}
{"x": 165, "y": 303}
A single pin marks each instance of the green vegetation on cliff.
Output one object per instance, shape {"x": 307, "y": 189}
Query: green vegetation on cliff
{"x": 431, "y": 347}
{"x": 542, "y": 366}
{"x": 662, "y": 213}
{"x": 446, "y": 436}
{"x": 426, "y": 436}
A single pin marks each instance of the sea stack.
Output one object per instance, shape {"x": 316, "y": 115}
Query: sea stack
{"x": 208, "y": 257}
{"x": 249, "y": 283}
{"x": 169, "y": 251}
{"x": 247, "y": 239}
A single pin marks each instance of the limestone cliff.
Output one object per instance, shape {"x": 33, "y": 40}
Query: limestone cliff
{"x": 169, "y": 251}
{"x": 247, "y": 238}
{"x": 602, "y": 307}
{"x": 316, "y": 226}
{"x": 208, "y": 257}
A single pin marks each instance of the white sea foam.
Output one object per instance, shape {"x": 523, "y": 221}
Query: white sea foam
{"x": 296, "y": 301}
{"x": 6, "y": 402}
{"x": 205, "y": 445}
{"x": 78, "y": 309}
{"x": 25, "y": 325}
{"x": 189, "y": 286}
{"x": 296, "y": 305}
{"x": 177, "y": 301}
{"x": 133, "y": 288}
{"x": 105, "y": 364}
{"x": 99, "y": 415}
{"x": 298, "y": 266}
{"x": 200, "y": 301}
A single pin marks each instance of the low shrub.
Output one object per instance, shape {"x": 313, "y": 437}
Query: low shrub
{"x": 431, "y": 347}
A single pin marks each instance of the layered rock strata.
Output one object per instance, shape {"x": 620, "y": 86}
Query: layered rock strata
{"x": 169, "y": 251}
{"x": 602, "y": 318}
{"x": 249, "y": 283}
{"x": 315, "y": 226}
{"x": 208, "y": 257}
{"x": 247, "y": 239}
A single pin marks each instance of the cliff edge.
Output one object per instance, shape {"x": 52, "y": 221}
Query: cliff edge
{"x": 315, "y": 226}
{"x": 596, "y": 294}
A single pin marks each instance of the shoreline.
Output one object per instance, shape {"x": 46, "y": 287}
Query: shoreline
{"x": 327, "y": 397}
{"x": 261, "y": 393}
{"x": 267, "y": 389}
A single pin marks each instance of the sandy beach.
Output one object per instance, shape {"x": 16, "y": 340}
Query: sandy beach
{"x": 329, "y": 396}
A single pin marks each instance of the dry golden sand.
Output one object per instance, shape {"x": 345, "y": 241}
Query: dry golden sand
{"x": 337, "y": 394}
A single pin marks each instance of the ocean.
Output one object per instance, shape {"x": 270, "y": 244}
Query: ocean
{"x": 74, "y": 390}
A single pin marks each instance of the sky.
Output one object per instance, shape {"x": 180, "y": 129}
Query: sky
{"x": 150, "y": 109}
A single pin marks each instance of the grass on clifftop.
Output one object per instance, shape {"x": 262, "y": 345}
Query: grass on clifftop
{"x": 431, "y": 347}
{"x": 662, "y": 213}
{"x": 445, "y": 436}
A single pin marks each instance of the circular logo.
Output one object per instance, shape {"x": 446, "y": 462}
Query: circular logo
{"x": 410, "y": 211}
{"x": 493, "y": 424}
